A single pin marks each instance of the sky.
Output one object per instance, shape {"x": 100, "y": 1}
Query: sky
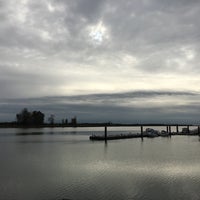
{"x": 131, "y": 61}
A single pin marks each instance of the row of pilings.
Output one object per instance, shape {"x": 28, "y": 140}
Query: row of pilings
{"x": 168, "y": 130}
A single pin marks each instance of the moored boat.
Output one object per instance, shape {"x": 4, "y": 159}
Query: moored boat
{"x": 151, "y": 132}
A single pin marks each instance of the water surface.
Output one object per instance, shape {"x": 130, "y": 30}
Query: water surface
{"x": 58, "y": 163}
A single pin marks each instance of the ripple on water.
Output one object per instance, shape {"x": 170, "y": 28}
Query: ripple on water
{"x": 71, "y": 167}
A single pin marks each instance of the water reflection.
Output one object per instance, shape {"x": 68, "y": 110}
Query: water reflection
{"x": 64, "y": 166}
{"x": 105, "y": 147}
{"x": 29, "y": 133}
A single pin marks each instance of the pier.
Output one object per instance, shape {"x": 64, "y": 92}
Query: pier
{"x": 185, "y": 131}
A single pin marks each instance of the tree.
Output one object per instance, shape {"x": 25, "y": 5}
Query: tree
{"x": 37, "y": 117}
{"x": 74, "y": 121}
{"x": 24, "y": 117}
{"x": 51, "y": 119}
{"x": 30, "y": 118}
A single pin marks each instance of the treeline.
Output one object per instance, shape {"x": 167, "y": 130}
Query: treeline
{"x": 36, "y": 118}
{"x": 30, "y": 118}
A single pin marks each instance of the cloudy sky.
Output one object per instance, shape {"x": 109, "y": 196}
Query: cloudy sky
{"x": 101, "y": 60}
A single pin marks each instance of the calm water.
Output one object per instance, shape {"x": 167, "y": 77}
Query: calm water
{"x": 58, "y": 163}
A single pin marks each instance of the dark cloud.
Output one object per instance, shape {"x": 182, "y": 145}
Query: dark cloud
{"x": 90, "y": 9}
{"x": 111, "y": 107}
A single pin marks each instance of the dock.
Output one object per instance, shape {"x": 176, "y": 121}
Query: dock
{"x": 148, "y": 133}
{"x": 114, "y": 137}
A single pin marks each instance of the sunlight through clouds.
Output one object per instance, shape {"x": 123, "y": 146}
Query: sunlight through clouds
{"x": 98, "y": 33}
{"x": 66, "y": 48}
{"x": 50, "y": 7}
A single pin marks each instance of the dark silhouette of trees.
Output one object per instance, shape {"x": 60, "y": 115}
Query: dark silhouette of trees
{"x": 74, "y": 121}
{"x": 30, "y": 118}
{"x": 23, "y": 117}
{"x": 51, "y": 119}
{"x": 37, "y": 117}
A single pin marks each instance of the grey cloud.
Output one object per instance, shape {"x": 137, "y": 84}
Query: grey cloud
{"x": 169, "y": 4}
{"x": 90, "y": 9}
{"x": 152, "y": 31}
{"x": 109, "y": 99}
{"x": 149, "y": 27}
{"x": 127, "y": 33}
{"x": 107, "y": 107}
{"x": 129, "y": 95}
{"x": 22, "y": 82}
{"x": 66, "y": 27}
{"x": 115, "y": 96}
{"x": 122, "y": 25}
{"x": 104, "y": 113}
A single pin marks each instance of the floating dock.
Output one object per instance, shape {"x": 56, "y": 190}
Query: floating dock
{"x": 114, "y": 137}
{"x": 147, "y": 133}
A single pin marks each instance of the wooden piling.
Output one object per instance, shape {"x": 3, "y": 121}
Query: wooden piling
{"x": 199, "y": 130}
{"x": 105, "y": 133}
{"x": 141, "y": 131}
{"x": 167, "y": 129}
{"x": 170, "y": 130}
{"x": 177, "y": 129}
{"x": 188, "y": 129}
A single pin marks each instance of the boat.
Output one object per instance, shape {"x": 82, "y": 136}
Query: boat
{"x": 151, "y": 133}
{"x": 164, "y": 133}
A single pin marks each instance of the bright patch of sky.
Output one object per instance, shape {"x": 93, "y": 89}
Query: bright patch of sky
{"x": 98, "y": 33}
{"x": 50, "y": 7}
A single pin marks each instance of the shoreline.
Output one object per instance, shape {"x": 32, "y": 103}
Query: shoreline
{"x": 57, "y": 125}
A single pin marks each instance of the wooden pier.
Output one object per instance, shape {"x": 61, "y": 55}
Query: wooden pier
{"x": 143, "y": 134}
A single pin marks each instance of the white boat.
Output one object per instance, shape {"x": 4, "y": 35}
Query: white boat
{"x": 151, "y": 132}
{"x": 164, "y": 133}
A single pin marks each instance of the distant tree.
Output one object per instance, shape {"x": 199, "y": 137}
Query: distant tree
{"x": 65, "y": 121}
{"x": 30, "y": 118}
{"x": 51, "y": 119}
{"x": 37, "y": 117}
{"x": 74, "y": 121}
{"x": 24, "y": 117}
